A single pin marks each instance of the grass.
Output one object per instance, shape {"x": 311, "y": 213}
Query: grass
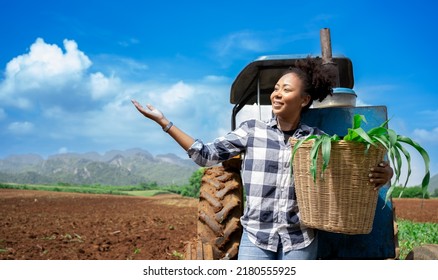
{"x": 411, "y": 235}
{"x": 90, "y": 189}
{"x": 146, "y": 193}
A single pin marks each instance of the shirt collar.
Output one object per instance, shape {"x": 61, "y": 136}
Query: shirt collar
{"x": 303, "y": 130}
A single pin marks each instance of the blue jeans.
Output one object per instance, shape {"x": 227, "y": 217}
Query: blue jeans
{"x": 249, "y": 251}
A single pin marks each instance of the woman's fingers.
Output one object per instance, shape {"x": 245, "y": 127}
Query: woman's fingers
{"x": 154, "y": 112}
{"x": 149, "y": 111}
{"x": 381, "y": 174}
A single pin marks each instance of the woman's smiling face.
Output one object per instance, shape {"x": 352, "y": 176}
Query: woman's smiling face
{"x": 288, "y": 97}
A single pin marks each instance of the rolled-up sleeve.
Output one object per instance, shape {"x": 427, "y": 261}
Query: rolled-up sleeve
{"x": 221, "y": 149}
{"x": 195, "y": 153}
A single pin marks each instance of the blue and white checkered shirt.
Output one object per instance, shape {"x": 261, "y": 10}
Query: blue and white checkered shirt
{"x": 271, "y": 211}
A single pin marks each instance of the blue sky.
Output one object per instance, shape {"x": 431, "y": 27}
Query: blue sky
{"x": 70, "y": 68}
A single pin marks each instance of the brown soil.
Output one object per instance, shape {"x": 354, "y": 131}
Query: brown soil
{"x": 39, "y": 225}
{"x": 416, "y": 210}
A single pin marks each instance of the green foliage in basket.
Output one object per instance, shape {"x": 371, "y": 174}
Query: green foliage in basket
{"x": 381, "y": 135}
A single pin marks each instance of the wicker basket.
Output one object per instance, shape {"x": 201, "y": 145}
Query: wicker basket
{"x": 343, "y": 201}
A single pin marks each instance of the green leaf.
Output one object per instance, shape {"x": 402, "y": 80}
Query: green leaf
{"x": 383, "y": 139}
{"x": 335, "y": 138}
{"x": 326, "y": 150}
{"x": 392, "y": 136}
{"x": 314, "y": 157}
{"x": 297, "y": 146}
{"x": 377, "y": 131}
{"x": 408, "y": 160}
{"x": 363, "y": 136}
{"x": 397, "y": 162}
{"x": 357, "y": 120}
{"x": 426, "y": 159}
{"x": 389, "y": 193}
{"x": 299, "y": 142}
{"x": 385, "y": 124}
{"x": 350, "y": 135}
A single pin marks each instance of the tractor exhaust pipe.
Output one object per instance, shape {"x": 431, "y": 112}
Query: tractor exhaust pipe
{"x": 326, "y": 46}
{"x": 326, "y": 53}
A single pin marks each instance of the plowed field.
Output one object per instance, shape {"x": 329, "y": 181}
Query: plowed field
{"x": 417, "y": 210}
{"x": 43, "y": 225}
{"x": 69, "y": 226}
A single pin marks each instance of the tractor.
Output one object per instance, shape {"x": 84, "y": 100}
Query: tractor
{"x": 221, "y": 199}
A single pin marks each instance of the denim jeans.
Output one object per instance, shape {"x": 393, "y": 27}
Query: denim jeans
{"x": 249, "y": 251}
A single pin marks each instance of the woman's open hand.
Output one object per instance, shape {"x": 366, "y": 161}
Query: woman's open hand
{"x": 149, "y": 112}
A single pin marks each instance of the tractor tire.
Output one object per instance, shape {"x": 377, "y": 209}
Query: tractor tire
{"x": 219, "y": 210}
{"x": 196, "y": 250}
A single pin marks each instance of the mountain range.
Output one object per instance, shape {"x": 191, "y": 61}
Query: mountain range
{"x": 116, "y": 167}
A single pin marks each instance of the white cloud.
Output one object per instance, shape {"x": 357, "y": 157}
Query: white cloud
{"x": 21, "y": 127}
{"x": 46, "y": 75}
{"x": 176, "y": 96}
{"x": 101, "y": 86}
{"x": 52, "y": 77}
{"x": 424, "y": 135}
{"x": 46, "y": 64}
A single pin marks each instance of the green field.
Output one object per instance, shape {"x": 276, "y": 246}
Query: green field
{"x": 412, "y": 234}
{"x": 94, "y": 189}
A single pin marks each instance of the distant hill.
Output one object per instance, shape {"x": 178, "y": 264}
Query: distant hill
{"x": 115, "y": 167}
{"x": 129, "y": 167}
{"x": 433, "y": 184}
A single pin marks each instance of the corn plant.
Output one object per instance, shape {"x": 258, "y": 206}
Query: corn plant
{"x": 381, "y": 135}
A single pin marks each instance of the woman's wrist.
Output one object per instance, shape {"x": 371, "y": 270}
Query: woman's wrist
{"x": 163, "y": 123}
{"x": 167, "y": 127}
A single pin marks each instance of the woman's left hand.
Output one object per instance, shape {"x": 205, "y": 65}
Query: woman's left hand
{"x": 381, "y": 174}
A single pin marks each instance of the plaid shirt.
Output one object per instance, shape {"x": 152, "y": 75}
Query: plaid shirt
{"x": 271, "y": 211}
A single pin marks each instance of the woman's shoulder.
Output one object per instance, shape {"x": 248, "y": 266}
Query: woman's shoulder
{"x": 255, "y": 123}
